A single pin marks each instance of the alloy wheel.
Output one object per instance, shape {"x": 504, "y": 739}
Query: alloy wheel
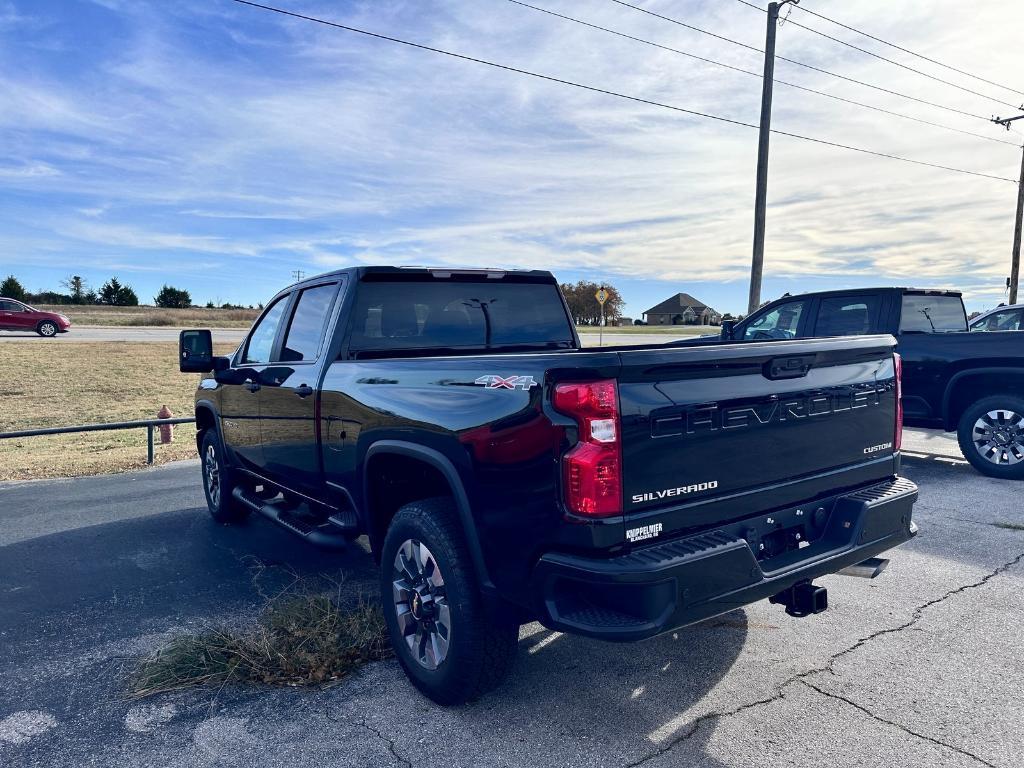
{"x": 48, "y": 329}
{"x": 212, "y": 475}
{"x": 999, "y": 437}
{"x": 421, "y": 604}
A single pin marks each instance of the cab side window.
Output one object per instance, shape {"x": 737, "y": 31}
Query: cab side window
{"x": 783, "y": 322}
{"x": 1001, "y": 321}
{"x": 306, "y": 330}
{"x": 261, "y": 340}
{"x": 847, "y": 316}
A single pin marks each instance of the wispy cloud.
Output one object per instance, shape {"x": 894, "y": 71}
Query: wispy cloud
{"x": 164, "y": 138}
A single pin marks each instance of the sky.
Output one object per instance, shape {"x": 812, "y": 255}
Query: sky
{"x": 218, "y": 147}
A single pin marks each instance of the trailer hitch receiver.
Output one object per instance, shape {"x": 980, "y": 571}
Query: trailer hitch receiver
{"x": 802, "y": 599}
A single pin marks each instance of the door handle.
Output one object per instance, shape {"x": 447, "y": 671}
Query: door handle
{"x": 251, "y": 385}
{"x": 304, "y": 390}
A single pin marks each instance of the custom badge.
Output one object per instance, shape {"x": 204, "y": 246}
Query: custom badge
{"x": 493, "y": 381}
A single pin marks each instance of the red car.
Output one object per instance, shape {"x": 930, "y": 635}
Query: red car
{"x": 15, "y": 316}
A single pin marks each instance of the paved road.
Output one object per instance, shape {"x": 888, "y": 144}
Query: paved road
{"x": 920, "y": 667}
{"x": 235, "y": 335}
{"x": 122, "y": 333}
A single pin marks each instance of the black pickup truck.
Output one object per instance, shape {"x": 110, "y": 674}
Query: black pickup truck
{"x": 952, "y": 379}
{"x": 504, "y": 474}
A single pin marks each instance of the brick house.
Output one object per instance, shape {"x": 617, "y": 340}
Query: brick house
{"x": 682, "y": 309}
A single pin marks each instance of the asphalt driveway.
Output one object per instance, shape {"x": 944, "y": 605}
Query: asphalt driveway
{"x": 919, "y": 667}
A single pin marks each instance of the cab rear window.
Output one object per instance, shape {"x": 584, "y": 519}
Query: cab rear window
{"x": 923, "y": 313}
{"x": 457, "y": 314}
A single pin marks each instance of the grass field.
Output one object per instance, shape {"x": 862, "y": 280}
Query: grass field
{"x": 199, "y": 317}
{"x": 155, "y": 316}
{"x": 45, "y": 385}
{"x": 48, "y": 385}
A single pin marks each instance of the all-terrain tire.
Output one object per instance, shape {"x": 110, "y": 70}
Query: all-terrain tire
{"x": 219, "y": 481}
{"x": 480, "y": 649}
{"x": 991, "y": 436}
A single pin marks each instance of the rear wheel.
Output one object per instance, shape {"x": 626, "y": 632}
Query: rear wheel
{"x": 219, "y": 482}
{"x": 47, "y": 329}
{"x": 446, "y": 642}
{"x": 991, "y": 436}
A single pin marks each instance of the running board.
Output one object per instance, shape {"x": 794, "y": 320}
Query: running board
{"x": 868, "y": 569}
{"x": 331, "y": 534}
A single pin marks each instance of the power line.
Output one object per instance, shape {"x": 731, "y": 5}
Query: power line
{"x": 758, "y": 74}
{"x": 607, "y": 92}
{"x": 884, "y": 58}
{"x": 907, "y": 50}
{"x": 800, "y": 63}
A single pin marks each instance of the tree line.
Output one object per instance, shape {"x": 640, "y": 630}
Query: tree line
{"x": 580, "y": 296}
{"x": 584, "y": 306}
{"x": 112, "y": 293}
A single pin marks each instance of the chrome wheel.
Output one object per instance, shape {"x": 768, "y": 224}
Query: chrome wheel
{"x": 48, "y": 329}
{"x": 421, "y": 604}
{"x": 212, "y": 471}
{"x": 998, "y": 437}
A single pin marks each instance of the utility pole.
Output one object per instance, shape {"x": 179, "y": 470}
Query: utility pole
{"x": 1015, "y": 257}
{"x": 298, "y": 274}
{"x": 761, "y": 194}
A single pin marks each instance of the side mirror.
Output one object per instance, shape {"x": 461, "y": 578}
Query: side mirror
{"x": 195, "y": 352}
{"x": 728, "y": 326}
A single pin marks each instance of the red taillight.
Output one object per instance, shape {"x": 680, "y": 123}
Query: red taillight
{"x": 592, "y": 470}
{"x": 898, "y": 365}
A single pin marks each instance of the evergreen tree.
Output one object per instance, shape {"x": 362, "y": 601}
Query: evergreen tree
{"x": 12, "y": 289}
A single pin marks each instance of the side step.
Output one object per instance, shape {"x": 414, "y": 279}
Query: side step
{"x": 331, "y": 534}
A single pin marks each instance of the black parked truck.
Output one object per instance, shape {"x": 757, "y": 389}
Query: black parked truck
{"x": 504, "y": 474}
{"x": 972, "y": 383}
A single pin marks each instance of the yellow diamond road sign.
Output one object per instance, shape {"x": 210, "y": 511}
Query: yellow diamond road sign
{"x": 601, "y": 296}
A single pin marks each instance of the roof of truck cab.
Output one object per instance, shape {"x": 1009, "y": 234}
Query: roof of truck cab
{"x": 857, "y": 291}
{"x": 358, "y": 273}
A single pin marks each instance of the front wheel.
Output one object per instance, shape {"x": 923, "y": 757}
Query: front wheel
{"x": 448, "y": 645}
{"x": 47, "y": 329}
{"x": 218, "y": 482}
{"x": 991, "y": 436}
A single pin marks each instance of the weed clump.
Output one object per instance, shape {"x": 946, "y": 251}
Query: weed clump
{"x": 298, "y": 639}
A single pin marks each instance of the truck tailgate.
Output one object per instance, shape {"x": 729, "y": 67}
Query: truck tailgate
{"x": 711, "y": 433}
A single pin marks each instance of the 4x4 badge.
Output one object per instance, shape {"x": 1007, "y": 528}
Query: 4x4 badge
{"x": 493, "y": 381}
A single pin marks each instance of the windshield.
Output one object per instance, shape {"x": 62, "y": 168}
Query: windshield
{"x": 458, "y": 313}
{"x": 932, "y": 314}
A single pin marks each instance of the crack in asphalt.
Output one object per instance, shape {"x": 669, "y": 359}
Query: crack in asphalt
{"x": 389, "y": 743}
{"x": 800, "y": 677}
{"x": 898, "y": 726}
{"x": 673, "y": 743}
{"x": 915, "y": 616}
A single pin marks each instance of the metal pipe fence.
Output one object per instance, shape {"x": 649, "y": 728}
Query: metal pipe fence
{"x": 147, "y": 424}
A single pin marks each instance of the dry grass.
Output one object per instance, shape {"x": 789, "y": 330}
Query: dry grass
{"x": 302, "y": 638}
{"x": 196, "y": 317}
{"x": 43, "y": 384}
{"x": 50, "y": 385}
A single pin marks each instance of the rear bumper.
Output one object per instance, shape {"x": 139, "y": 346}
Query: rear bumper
{"x": 668, "y": 585}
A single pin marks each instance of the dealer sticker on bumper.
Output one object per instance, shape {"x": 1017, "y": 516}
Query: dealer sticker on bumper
{"x": 644, "y": 532}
